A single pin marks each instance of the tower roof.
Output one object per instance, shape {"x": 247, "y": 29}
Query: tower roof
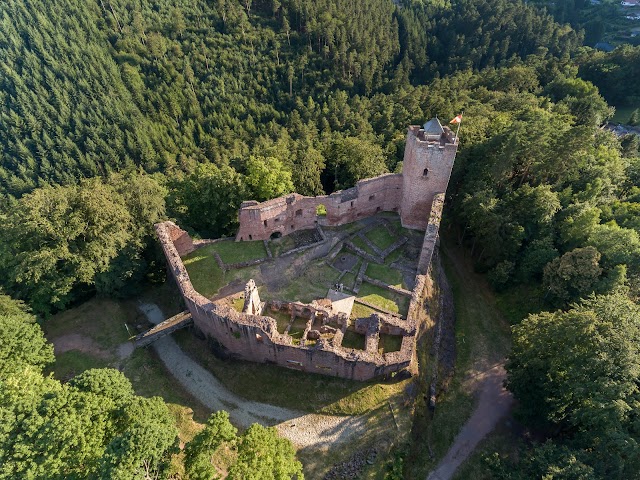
{"x": 433, "y": 127}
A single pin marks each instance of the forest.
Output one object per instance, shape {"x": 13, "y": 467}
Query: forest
{"x": 121, "y": 113}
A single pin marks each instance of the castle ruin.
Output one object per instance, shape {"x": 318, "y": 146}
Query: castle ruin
{"x": 417, "y": 195}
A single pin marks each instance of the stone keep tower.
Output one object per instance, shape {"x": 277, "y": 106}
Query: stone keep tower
{"x": 428, "y": 159}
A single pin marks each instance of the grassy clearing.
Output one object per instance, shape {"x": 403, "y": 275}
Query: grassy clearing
{"x": 389, "y": 343}
{"x": 393, "y": 256}
{"x": 281, "y": 245}
{"x": 349, "y": 280}
{"x": 207, "y": 277}
{"x": 361, "y": 311}
{"x": 385, "y": 274}
{"x": 353, "y": 339}
{"x": 298, "y": 327}
{"x": 204, "y": 272}
{"x": 380, "y": 237}
{"x": 238, "y": 304}
{"x": 314, "y": 283}
{"x": 383, "y": 298}
{"x": 71, "y": 363}
{"x": 100, "y": 319}
{"x": 282, "y": 319}
{"x": 236, "y": 252}
{"x": 290, "y": 388}
{"x": 359, "y": 242}
{"x": 482, "y": 340}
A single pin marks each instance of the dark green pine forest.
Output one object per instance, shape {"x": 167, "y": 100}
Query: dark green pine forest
{"x": 120, "y": 113}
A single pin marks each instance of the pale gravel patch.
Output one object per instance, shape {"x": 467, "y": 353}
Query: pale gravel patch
{"x": 304, "y": 430}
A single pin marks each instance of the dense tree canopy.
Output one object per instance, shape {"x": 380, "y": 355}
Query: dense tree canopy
{"x": 577, "y": 371}
{"x": 57, "y": 240}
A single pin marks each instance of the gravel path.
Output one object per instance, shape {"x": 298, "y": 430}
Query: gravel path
{"x": 494, "y": 404}
{"x": 304, "y": 430}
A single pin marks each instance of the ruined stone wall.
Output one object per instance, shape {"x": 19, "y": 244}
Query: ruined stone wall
{"x": 258, "y": 221}
{"x": 256, "y": 338}
{"x": 426, "y": 169}
{"x": 427, "y": 165}
{"x": 431, "y": 234}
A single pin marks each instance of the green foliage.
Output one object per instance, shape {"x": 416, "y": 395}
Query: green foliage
{"x": 198, "y": 452}
{"x": 262, "y": 454}
{"x": 22, "y": 344}
{"x": 59, "y": 239}
{"x": 614, "y": 73}
{"x": 352, "y": 159}
{"x": 267, "y": 178}
{"x": 574, "y": 275}
{"x": 143, "y": 447}
{"x": 208, "y": 199}
{"x": 577, "y": 372}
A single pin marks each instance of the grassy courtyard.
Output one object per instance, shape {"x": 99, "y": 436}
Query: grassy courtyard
{"x": 236, "y": 252}
{"x": 381, "y": 237}
{"x": 385, "y": 274}
{"x": 385, "y": 299}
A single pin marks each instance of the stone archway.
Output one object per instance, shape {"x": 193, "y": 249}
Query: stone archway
{"x": 276, "y": 234}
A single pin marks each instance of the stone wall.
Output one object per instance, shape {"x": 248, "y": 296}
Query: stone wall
{"x": 431, "y": 234}
{"x": 255, "y": 338}
{"x": 258, "y": 221}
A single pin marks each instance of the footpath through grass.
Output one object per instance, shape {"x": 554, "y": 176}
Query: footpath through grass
{"x": 482, "y": 340}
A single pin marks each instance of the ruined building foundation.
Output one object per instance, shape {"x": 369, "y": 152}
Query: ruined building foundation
{"x": 417, "y": 195}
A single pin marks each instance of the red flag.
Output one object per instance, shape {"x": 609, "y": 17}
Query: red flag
{"x": 458, "y": 119}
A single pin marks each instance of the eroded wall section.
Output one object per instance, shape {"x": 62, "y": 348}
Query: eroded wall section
{"x": 284, "y": 215}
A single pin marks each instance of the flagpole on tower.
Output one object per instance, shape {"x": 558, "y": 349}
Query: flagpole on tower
{"x": 458, "y": 129}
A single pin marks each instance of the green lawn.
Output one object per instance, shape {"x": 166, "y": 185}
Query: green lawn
{"x": 380, "y": 237}
{"x": 314, "y": 282}
{"x": 282, "y": 319}
{"x": 204, "y": 272}
{"x": 353, "y": 339}
{"x": 238, "y": 304}
{"x": 71, "y": 363}
{"x": 385, "y": 274}
{"x": 393, "y": 256}
{"x": 297, "y": 329}
{"x": 235, "y": 252}
{"x": 358, "y": 242}
{"x": 383, "y": 298}
{"x": 281, "y": 245}
{"x": 349, "y": 279}
{"x": 361, "y": 311}
{"x": 207, "y": 277}
{"x": 389, "y": 343}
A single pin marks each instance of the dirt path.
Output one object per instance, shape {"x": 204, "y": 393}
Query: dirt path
{"x": 85, "y": 344}
{"x": 485, "y": 375}
{"x": 494, "y": 403}
{"x": 304, "y": 430}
